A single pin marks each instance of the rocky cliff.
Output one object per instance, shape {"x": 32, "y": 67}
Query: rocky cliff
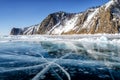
{"x": 103, "y": 19}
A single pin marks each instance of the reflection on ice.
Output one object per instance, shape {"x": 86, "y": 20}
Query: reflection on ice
{"x": 59, "y": 58}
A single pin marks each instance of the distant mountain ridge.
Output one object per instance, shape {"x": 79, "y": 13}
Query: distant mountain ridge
{"x": 103, "y": 19}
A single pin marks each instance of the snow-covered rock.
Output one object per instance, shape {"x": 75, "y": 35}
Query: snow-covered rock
{"x": 103, "y": 19}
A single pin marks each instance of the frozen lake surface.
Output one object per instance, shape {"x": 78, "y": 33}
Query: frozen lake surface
{"x": 75, "y": 57}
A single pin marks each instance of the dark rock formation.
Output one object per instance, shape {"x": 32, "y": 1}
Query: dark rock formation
{"x": 16, "y": 31}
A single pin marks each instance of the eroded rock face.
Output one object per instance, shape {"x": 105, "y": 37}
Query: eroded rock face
{"x": 102, "y": 22}
{"x": 103, "y": 19}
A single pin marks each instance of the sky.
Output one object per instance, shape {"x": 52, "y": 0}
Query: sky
{"x": 24, "y": 13}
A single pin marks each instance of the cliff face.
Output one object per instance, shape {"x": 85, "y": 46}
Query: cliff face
{"x": 103, "y": 19}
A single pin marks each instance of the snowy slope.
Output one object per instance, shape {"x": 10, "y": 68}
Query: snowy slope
{"x": 65, "y": 27}
{"x": 31, "y": 30}
{"x": 90, "y": 17}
